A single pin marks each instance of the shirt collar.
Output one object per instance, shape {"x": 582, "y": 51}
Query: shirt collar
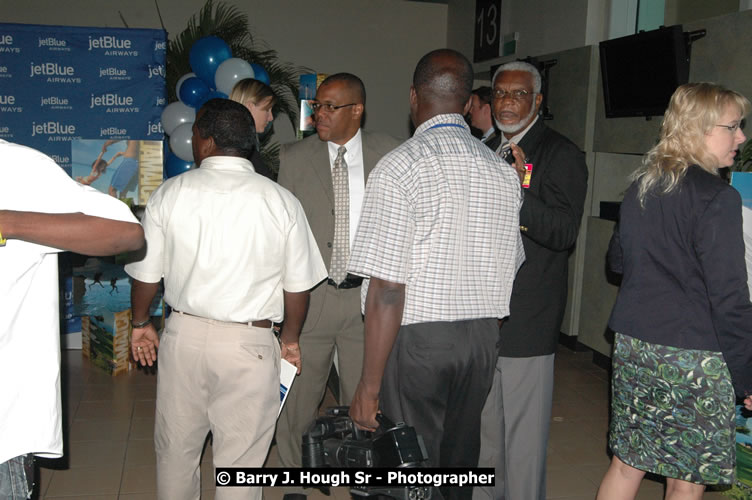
{"x": 453, "y": 119}
{"x": 517, "y": 138}
{"x": 234, "y": 163}
{"x": 487, "y": 134}
{"x": 352, "y": 146}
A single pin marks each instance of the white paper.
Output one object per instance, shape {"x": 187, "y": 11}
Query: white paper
{"x": 286, "y": 378}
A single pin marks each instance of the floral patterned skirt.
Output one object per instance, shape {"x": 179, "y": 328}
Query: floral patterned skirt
{"x": 672, "y": 411}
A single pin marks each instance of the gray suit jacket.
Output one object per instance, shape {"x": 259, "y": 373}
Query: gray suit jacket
{"x": 304, "y": 169}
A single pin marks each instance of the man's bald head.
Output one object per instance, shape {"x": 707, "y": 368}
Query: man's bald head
{"x": 446, "y": 74}
{"x": 442, "y": 83}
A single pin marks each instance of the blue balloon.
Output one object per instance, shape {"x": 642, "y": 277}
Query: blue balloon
{"x": 206, "y": 55}
{"x": 175, "y": 166}
{"x": 260, "y": 73}
{"x": 193, "y": 91}
{"x": 214, "y": 94}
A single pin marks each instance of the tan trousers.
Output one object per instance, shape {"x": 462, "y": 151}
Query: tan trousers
{"x": 218, "y": 377}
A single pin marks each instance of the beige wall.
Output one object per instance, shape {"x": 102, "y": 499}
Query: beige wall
{"x": 380, "y": 41}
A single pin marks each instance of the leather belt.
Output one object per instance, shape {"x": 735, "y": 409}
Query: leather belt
{"x": 351, "y": 281}
{"x": 261, "y": 323}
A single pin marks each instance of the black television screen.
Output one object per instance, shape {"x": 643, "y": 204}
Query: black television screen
{"x": 640, "y": 72}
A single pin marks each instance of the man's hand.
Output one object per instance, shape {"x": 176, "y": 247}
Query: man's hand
{"x": 519, "y": 161}
{"x": 364, "y": 407}
{"x": 291, "y": 353}
{"x": 144, "y": 344}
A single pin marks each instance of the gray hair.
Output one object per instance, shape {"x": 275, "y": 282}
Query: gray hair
{"x": 521, "y": 66}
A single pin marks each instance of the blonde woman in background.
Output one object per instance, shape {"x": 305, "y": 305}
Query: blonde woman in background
{"x": 683, "y": 347}
{"x": 259, "y": 98}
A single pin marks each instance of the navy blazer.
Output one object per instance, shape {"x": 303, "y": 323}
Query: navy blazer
{"x": 550, "y": 220}
{"x": 684, "y": 274}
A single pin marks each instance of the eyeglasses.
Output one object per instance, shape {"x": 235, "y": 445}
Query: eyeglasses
{"x": 732, "y": 128}
{"x": 329, "y": 108}
{"x": 515, "y": 95}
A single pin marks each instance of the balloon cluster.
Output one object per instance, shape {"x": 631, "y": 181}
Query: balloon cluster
{"x": 215, "y": 73}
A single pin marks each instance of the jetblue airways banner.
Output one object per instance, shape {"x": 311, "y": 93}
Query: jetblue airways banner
{"x": 60, "y": 83}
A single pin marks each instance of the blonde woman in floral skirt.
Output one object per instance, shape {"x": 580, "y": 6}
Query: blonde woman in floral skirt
{"x": 683, "y": 317}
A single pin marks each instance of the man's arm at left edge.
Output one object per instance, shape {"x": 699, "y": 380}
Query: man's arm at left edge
{"x": 76, "y": 232}
{"x": 296, "y": 309}
{"x": 144, "y": 340}
{"x": 383, "y": 317}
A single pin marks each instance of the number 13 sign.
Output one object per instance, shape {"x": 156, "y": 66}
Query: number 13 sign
{"x": 487, "y": 29}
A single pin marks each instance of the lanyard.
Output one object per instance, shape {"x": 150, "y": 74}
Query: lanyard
{"x": 446, "y": 125}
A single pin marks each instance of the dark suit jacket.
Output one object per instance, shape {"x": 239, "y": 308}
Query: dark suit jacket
{"x": 260, "y": 167}
{"x": 493, "y": 141}
{"x": 550, "y": 221}
{"x": 304, "y": 169}
{"x": 684, "y": 273}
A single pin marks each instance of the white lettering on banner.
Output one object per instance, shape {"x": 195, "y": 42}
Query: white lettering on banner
{"x": 7, "y": 104}
{"x": 54, "y": 101}
{"x": 154, "y": 128}
{"x": 156, "y": 71}
{"x": 161, "y": 101}
{"x": 6, "y": 39}
{"x": 111, "y": 131}
{"x": 51, "y": 41}
{"x": 160, "y": 45}
{"x": 52, "y": 128}
{"x": 111, "y": 100}
{"x": 60, "y": 159}
{"x": 134, "y": 109}
{"x": 108, "y": 42}
{"x": 112, "y": 72}
{"x": 52, "y": 69}
{"x": 4, "y": 130}
{"x": 131, "y": 53}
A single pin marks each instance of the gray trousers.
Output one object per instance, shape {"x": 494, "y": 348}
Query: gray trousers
{"x": 514, "y": 428}
{"x": 339, "y": 325}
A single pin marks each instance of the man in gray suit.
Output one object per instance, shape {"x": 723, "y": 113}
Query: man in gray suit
{"x": 307, "y": 168}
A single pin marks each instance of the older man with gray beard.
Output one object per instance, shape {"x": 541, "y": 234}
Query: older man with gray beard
{"x": 516, "y": 416}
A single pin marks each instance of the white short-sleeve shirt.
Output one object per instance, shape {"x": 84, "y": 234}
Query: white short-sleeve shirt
{"x": 29, "y": 313}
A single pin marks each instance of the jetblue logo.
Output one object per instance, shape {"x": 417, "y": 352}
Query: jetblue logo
{"x": 112, "y": 45}
{"x": 5, "y": 132}
{"x": 115, "y": 103}
{"x": 54, "y": 43}
{"x": 61, "y": 160}
{"x": 51, "y": 69}
{"x": 8, "y": 104}
{"x": 112, "y": 131}
{"x": 52, "y": 128}
{"x": 154, "y": 128}
{"x": 6, "y": 45}
{"x": 114, "y": 73}
{"x": 161, "y": 101}
{"x": 160, "y": 45}
{"x": 155, "y": 71}
{"x": 55, "y": 102}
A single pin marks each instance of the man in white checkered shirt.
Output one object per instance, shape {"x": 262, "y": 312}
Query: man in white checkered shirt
{"x": 439, "y": 239}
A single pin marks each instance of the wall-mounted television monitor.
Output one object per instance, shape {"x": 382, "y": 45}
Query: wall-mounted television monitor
{"x": 640, "y": 72}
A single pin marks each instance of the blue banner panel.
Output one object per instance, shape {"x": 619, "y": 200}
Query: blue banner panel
{"x": 63, "y": 83}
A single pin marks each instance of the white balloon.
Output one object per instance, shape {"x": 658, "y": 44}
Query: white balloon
{"x": 230, "y": 72}
{"x": 176, "y": 114}
{"x": 180, "y": 141}
{"x": 180, "y": 82}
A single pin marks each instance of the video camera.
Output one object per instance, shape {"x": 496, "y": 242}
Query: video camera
{"x": 334, "y": 441}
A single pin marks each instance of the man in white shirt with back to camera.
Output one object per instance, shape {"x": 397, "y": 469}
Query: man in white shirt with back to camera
{"x": 236, "y": 254}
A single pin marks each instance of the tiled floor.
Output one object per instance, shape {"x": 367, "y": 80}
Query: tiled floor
{"x": 109, "y": 453}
